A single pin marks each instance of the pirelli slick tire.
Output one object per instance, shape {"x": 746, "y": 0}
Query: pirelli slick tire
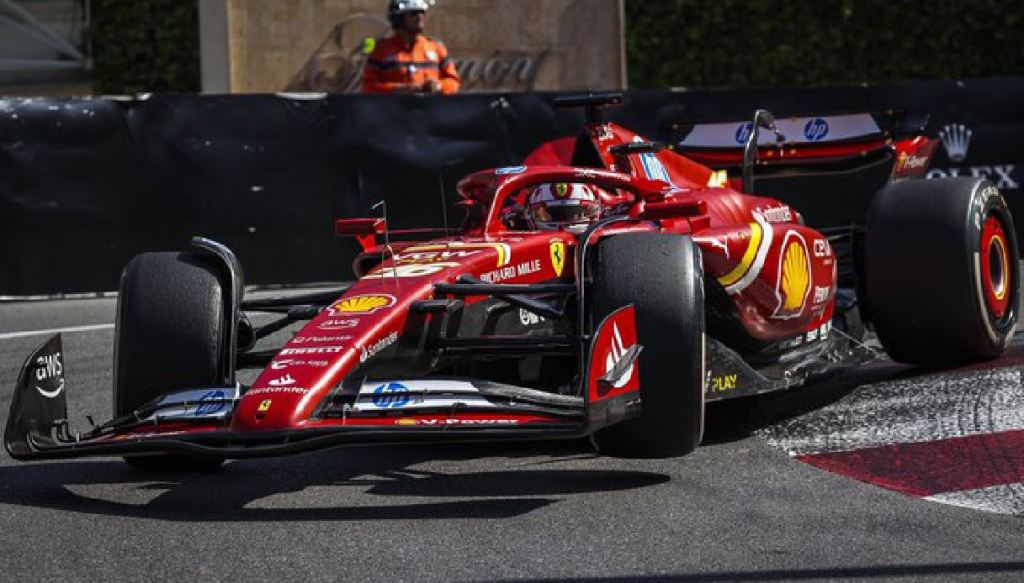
{"x": 941, "y": 271}
{"x": 170, "y": 335}
{"x": 662, "y": 276}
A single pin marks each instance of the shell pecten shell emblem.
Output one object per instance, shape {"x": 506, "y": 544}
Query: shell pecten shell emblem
{"x": 364, "y": 304}
{"x": 794, "y": 277}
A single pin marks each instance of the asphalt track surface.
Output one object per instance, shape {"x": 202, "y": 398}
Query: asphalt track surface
{"x": 739, "y": 509}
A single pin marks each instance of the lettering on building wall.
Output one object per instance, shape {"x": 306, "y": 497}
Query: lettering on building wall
{"x": 337, "y": 65}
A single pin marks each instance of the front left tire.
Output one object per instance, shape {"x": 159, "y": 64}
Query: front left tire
{"x": 171, "y": 335}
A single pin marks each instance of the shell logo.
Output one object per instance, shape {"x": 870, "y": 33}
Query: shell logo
{"x": 366, "y": 304}
{"x": 794, "y": 278}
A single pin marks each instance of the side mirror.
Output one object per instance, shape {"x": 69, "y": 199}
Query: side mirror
{"x": 364, "y": 230}
{"x": 763, "y": 119}
{"x": 621, "y": 153}
{"x": 636, "y": 148}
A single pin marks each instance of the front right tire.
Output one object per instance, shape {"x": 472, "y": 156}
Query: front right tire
{"x": 661, "y": 275}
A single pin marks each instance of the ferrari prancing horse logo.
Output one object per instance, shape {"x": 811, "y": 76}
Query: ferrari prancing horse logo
{"x": 558, "y": 256}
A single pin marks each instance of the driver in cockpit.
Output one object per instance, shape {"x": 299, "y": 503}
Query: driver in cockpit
{"x": 562, "y": 206}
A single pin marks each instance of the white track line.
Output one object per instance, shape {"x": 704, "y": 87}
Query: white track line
{"x": 28, "y": 333}
{"x": 1003, "y": 499}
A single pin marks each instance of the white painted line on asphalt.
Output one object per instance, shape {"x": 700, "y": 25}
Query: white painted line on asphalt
{"x": 28, "y": 333}
{"x": 1001, "y": 499}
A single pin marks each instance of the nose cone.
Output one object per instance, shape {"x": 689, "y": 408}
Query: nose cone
{"x": 356, "y": 328}
{"x": 365, "y": 326}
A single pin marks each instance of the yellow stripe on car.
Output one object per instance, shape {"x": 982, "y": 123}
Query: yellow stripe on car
{"x": 756, "y": 234}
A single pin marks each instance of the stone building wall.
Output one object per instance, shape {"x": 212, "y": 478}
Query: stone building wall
{"x": 499, "y": 45}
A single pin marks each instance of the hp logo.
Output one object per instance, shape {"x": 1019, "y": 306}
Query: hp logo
{"x": 743, "y": 132}
{"x": 816, "y": 130}
{"x": 391, "y": 396}
{"x": 210, "y": 402}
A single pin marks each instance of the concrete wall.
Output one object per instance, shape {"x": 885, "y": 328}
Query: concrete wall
{"x": 510, "y": 45}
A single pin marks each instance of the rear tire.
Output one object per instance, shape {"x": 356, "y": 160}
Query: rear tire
{"x": 171, "y": 319}
{"x": 942, "y": 271}
{"x": 662, "y": 276}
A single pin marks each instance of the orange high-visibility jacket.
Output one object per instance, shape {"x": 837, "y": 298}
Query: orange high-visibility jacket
{"x": 394, "y": 63}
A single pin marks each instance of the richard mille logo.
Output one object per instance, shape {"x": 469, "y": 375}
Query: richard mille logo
{"x": 956, "y": 138}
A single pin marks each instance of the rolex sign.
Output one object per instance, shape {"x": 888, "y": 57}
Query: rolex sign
{"x": 979, "y": 151}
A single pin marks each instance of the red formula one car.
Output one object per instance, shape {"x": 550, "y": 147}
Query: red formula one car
{"x": 610, "y": 300}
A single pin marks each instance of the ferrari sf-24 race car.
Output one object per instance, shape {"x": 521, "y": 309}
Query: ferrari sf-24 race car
{"x": 667, "y": 288}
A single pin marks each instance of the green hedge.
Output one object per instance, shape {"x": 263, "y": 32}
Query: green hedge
{"x": 153, "y": 45}
{"x": 145, "y": 45}
{"x": 702, "y": 43}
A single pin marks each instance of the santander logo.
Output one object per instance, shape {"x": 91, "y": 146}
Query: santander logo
{"x": 283, "y": 381}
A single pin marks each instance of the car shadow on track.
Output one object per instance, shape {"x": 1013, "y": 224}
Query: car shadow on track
{"x": 370, "y": 483}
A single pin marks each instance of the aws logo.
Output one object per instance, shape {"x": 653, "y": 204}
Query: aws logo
{"x": 50, "y": 373}
{"x": 794, "y": 281}
{"x": 453, "y": 248}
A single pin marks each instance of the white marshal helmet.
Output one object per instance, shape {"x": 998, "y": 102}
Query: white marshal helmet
{"x": 563, "y": 206}
{"x": 397, "y": 8}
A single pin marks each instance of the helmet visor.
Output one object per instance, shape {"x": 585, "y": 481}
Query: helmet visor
{"x": 565, "y": 214}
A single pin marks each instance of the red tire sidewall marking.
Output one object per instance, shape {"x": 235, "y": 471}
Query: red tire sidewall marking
{"x": 997, "y": 293}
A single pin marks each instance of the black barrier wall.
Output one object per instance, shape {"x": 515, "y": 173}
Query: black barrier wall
{"x": 87, "y": 183}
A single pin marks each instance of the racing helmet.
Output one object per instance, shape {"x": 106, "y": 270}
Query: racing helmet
{"x": 568, "y": 206}
{"x": 396, "y": 8}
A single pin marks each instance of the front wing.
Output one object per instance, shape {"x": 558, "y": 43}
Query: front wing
{"x": 197, "y": 422}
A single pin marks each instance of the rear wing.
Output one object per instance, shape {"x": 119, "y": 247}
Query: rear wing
{"x": 827, "y": 166}
{"x": 812, "y": 133}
